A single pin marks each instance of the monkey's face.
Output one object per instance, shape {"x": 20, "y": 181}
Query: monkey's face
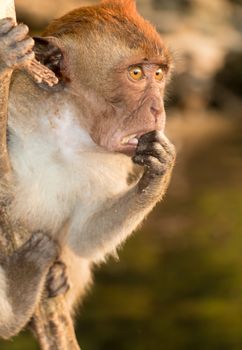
{"x": 117, "y": 65}
{"x": 123, "y": 100}
{"x": 134, "y": 105}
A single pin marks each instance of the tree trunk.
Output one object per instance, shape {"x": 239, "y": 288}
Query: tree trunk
{"x": 51, "y": 323}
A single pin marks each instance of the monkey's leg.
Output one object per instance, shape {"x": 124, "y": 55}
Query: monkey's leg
{"x": 24, "y": 274}
{"x": 117, "y": 219}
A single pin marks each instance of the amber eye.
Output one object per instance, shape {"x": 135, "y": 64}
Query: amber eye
{"x": 136, "y": 73}
{"x": 159, "y": 74}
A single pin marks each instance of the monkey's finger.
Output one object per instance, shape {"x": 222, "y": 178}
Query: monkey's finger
{"x": 18, "y": 33}
{"x": 152, "y": 136}
{"x": 168, "y": 146}
{"x": 62, "y": 289}
{"x": 56, "y": 272}
{"x": 153, "y": 149}
{"x": 57, "y": 269}
{"x": 145, "y": 160}
{"x": 6, "y": 24}
{"x": 20, "y": 60}
{"x": 22, "y": 47}
{"x": 151, "y": 164}
{"x": 40, "y": 73}
{"x": 57, "y": 281}
{"x": 159, "y": 137}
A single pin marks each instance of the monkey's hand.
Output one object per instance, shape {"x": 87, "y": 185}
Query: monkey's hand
{"x": 157, "y": 155}
{"x": 15, "y": 45}
{"x": 16, "y": 51}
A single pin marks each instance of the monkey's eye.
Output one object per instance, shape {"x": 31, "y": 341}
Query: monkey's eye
{"x": 159, "y": 74}
{"x": 136, "y": 73}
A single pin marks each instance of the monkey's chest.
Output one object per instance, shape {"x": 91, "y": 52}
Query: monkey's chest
{"x": 49, "y": 187}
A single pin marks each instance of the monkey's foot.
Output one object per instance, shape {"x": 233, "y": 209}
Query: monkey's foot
{"x": 40, "y": 251}
{"x": 57, "y": 281}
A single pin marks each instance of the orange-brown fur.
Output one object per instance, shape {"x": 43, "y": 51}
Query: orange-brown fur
{"x": 120, "y": 18}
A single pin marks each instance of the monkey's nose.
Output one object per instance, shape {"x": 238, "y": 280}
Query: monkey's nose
{"x": 156, "y": 108}
{"x": 155, "y": 112}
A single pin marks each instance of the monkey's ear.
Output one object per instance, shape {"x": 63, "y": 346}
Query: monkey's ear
{"x": 129, "y": 5}
{"x": 49, "y": 54}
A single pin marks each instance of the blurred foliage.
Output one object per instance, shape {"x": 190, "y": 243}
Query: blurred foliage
{"x": 237, "y": 2}
{"x": 230, "y": 76}
{"x": 172, "y": 4}
{"x": 178, "y": 285}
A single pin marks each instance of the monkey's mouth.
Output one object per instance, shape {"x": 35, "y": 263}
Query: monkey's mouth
{"x": 131, "y": 140}
{"x": 128, "y": 144}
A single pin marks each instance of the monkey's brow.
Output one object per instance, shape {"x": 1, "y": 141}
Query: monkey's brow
{"x": 164, "y": 64}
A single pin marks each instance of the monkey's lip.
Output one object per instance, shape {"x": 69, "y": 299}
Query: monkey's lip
{"x": 131, "y": 140}
{"x": 128, "y": 144}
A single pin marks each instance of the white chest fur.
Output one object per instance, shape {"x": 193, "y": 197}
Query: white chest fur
{"x": 58, "y": 166}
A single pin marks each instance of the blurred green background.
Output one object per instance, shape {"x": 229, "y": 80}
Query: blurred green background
{"x": 178, "y": 282}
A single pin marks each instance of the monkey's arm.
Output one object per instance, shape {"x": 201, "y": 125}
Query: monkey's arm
{"x": 22, "y": 278}
{"x": 15, "y": 50}
{"x": 106, "y": 229}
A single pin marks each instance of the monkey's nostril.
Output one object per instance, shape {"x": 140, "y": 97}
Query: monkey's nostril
{"x": 156, "y": 112}
{"x": 153, "y": 110}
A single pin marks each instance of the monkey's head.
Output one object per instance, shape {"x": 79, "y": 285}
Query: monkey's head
{"x": 115, "y": 62}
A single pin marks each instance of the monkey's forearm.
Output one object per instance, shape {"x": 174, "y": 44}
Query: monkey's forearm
{"x": 109, "y": 227}
{"x": 118, "y": 218}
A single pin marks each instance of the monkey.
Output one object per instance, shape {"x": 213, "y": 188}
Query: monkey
{"x": 74, "y": 147}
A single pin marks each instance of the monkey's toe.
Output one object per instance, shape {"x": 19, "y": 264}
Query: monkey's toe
{"x": 57, "y": 280}
{"x": 6, "y": 24}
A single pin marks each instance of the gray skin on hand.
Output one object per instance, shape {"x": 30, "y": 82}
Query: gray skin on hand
{"x": 15, "y": 44}
{"x": 157, "y": 155}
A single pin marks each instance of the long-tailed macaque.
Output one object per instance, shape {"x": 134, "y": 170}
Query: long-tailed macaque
{"x": 74, "y": 147}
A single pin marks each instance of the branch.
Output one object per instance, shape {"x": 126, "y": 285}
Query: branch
{"x": 51, "y": 323}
